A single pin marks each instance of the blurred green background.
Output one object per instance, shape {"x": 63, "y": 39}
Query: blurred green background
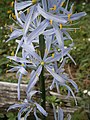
{"x": 80, "y": 52}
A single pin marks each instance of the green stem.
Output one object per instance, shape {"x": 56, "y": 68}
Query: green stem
{"x": 41, "y": 77}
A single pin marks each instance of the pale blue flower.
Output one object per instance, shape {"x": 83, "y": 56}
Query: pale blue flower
{"x": 52, "y": 20}
{"x": 28, "y": 106}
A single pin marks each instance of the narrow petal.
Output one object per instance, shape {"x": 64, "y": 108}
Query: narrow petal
{"x": 18, "y": 89}
{"x": 23, "y": 71}
{"x": 60, "y": 114}
{"x": 18, "y": 59}
{"x": 77, "y": 16}
{"x": 55, "y": 75}
{"x": 44, "y": 3}
{"x": 23, "y": 5}
{"x": 59, "y": 35}
{"x": 71, "y": 92}
{"x": 38, "y": 30}
{"x": 28, "y": 20}
{"x": 15, "y": 106}
{"x": 15, "y": 34}
{"x": 36, "y": 114}
{"x": 16, "y": 13}
{"x": 50, "y": 16}
{"x": 33, "y": 79}
{"x": 27, "y": 114}
{"x": 29, "y": 50}
{"x": 41, "y": 109}
{"x": 54, "y": 110}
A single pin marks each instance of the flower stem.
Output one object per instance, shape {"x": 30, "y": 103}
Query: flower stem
{"x": 41, "y": 77}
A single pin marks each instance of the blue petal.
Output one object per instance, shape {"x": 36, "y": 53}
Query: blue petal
{"x": 50, "y": 16}
{"x": 40, "y": 108}
{"x": 23, "y": 5}
{"x": 33, "y": 79}
{"x": 39, "y": 30}
{"x": 60, "y": 114}
{"x": 55, "y": 75}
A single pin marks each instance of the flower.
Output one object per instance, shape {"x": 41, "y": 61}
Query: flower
{"x": 88, "y": 93}
{"x": 27, "y": 106}
{"x": 85, "y": 91}
{"x": 52, "y": 20}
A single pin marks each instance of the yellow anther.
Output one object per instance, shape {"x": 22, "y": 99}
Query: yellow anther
{"x": 53, "y": 55}
{"x": 51, "y": 8}
{"x": 62, "y": 4}
{"x": 12, "y": 53}
{"x": 14, "y": 17}
{"x": 9, "y": 11}
{"x": 12, "y": 4}
{"x": 75, "y": 30}
{"x": 34, "y": 1}
{"x": 12, "y": 14}
{"x": 42, "y": 63}
{"x": 69, "y": 15}
{"x": 51, "y": 22}
{"x": 28, "y": 10}
{"x": 54, "y": 8}
{"x": 11, "y": 29}
{"x": 22, "y": 65}
{"x": 60, "y": 26}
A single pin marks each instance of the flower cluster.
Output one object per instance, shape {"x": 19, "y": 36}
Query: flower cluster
{"x": 52, "y": 19}
{"x": 86, "y": 92}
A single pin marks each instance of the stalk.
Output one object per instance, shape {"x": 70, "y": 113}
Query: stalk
{"x": 41, "y": 77}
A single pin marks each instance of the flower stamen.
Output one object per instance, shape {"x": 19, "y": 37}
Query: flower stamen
{"x": 12, "y": 54}
{"x": 42, "y": 63}
{"x": 12, "y": 4}
{"x": 34, "y": 1}
{"x": 11, "y": 29}
{"x": 22, "y": 65}
{"x": 53, "y": 55}
{"x": 54, "y": 8}
{"x": 51, "y": 22}
{"x": 60, "y": 26}
{"x": 62, "y": 4}
{"x": 28, "y": 10}
{"x": 69, "y": 16}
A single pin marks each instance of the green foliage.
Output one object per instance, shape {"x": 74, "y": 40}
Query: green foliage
{"x": 81, "y": 49}
{"x": 80, "y": 115}
{"x": 1, "y": 116}
{"x": 11, "y": 116}
{"x": 8, "y": 116}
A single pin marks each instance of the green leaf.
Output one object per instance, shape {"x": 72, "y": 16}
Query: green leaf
{"x": 1, "y": 115}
